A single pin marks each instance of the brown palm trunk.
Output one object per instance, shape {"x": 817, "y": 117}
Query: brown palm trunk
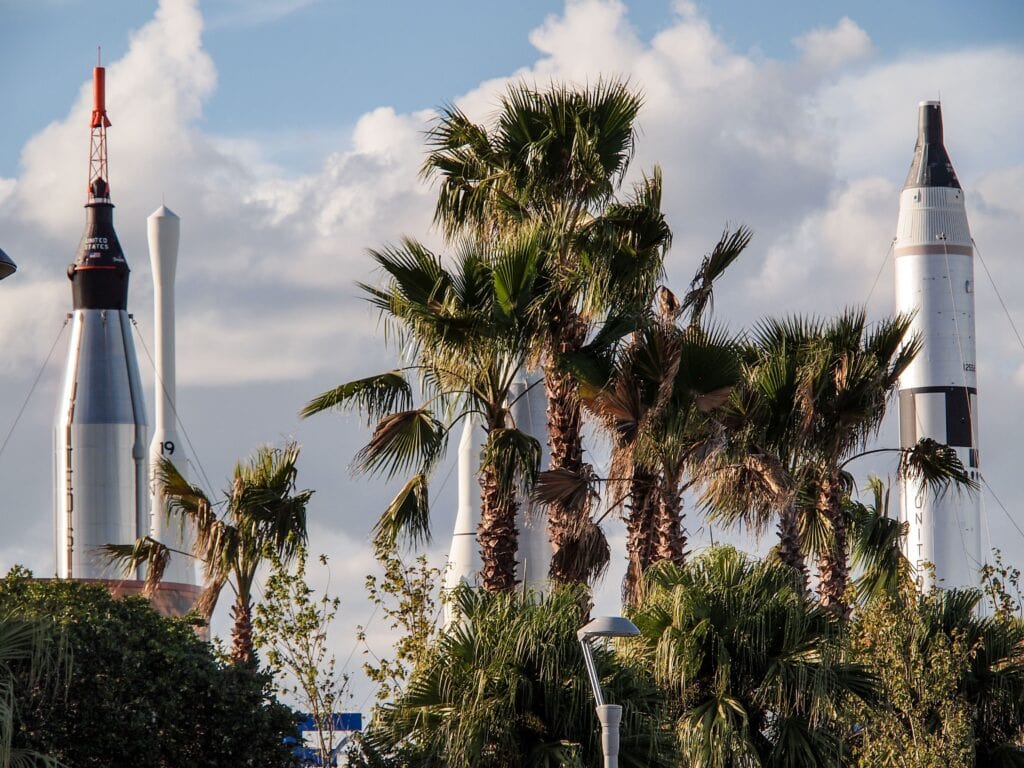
{"x": 833, "y": 566}
{"x": 790, "y": 551}
{"x": 497, "y": 533}
{"x": 241, "y": 633}
{"x": 640, "y": 534}
{"x": 566, "y": 522}
{"x": 670, "y": 538}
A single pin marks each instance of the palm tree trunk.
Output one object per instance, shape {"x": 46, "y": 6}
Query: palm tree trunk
{"x": 670, "y": 538}
{"x": 241, "y": 633}
{"x": 833, "y": 566}
{"x": 497, "y": 533}
{"x": 640, "y": 534}
{"x": 790, "y": 551}
{"x": 565, "y": 521}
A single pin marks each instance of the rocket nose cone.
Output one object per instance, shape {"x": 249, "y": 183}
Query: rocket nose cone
{"x": 931, "y": 166}
{"x": 163, "y": 212}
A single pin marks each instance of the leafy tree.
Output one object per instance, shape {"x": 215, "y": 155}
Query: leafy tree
{"x": 263, "y": 513}
{"x": 554, "y": 160}
{"x": 953, "y": 682}
{"x": 291, "y": 624}
{"x": 467, "y": 330}
{"x": 406, "y": 594}
{"x": 141, "y": 689}
{"x": 504, "y": 686}
{"x": 756, "y": 673}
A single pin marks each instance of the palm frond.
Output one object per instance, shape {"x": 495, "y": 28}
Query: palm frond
{"x": 728, "y": 248}
{"x": 145, "y": 552}
{"x": 407, "y": 516}
{"x": 936, "y": 465}
{"x": 375, "y": 396}
{"x": 404, "y": 441}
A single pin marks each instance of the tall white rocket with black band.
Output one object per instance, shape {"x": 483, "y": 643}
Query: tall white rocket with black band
{"x": 101, "y": 472}
{"x": 938, "y": 393}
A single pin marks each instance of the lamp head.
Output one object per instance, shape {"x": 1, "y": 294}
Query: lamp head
{"x": 7, "y": 266}
{"x": 607, "y": 626}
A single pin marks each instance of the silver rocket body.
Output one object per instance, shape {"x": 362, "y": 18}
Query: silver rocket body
{"x": 938, "y": 393}
{"x": 100, "y": 438}
{"x": 163, "y": 230}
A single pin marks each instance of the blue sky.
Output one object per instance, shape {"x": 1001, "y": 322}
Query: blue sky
{"x": 316, "y": 65}
{"x": 288, "y": 136}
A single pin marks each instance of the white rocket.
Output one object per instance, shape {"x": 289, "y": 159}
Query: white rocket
{"x": 464, "y": 562}
{"x": 101, "y": 488}
{"x": 938, "y": 393}
{"x": 529, "y": 409}
{"x": 163, "y": 229}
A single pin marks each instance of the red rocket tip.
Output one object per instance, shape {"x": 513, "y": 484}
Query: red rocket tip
{"x": 99, "y": 99}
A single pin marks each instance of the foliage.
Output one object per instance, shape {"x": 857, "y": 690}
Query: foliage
{"x": 32, "y": 655}
{"x": 756, "y": 673}
{"x": 1002, "y": 586}
{"x": 263, "y": 514}
{"x": 467, "y": 329}
{"x": 291, "y": 625}
{"x": 553, "y": 161}
{"x": 142, "y": 689}
{"x": 505, "y": 686}
{"x": 406, "y": 595}
{"x": 952, "y": 681}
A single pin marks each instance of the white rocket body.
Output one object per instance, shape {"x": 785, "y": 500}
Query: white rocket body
{"x": 100, "y": 434}
{"x": 529, "y": 411}
{"x": 938, "y": 393}
{"x": 163, "y": 229}
{"x": 464, "y": 561}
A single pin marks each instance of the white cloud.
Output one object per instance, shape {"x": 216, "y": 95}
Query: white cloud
{"x": 829, "y": 49}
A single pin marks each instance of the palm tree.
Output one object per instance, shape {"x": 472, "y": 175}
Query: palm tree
{"x": 761, "y": 467}
{"x": 468, "y": 331}
{"x": 504, "y": 686}
{"x": 262, "y": 514}
{"x": 555, "y": 159}
{"x": 657, "y": 403}
{"x": 816, "y": 393}
{"x": 756, "y": 673}
{"x": 654, "y": 398}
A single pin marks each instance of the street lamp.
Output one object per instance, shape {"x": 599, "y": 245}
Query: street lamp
{"x": 7, "y": 266}
{"x": 610, "y": 715}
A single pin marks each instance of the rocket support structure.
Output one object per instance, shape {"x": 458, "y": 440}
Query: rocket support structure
{"x": 938, "y": 393}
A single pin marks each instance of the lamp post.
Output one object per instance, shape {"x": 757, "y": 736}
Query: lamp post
{"x": 610, "y": 715}
{"x": 7, "y": 266}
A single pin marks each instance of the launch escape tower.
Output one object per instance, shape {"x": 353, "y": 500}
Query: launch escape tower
{"x": 938, "y": 393}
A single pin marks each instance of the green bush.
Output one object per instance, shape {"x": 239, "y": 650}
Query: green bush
{"x": 142, "y": 689}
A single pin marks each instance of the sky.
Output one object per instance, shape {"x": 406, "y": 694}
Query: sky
{"x": 288, "y": 135}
